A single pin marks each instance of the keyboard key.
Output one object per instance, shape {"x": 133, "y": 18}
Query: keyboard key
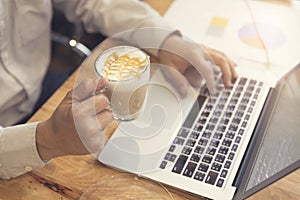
{"x": 233, "y": 101}
{"x": 198, "y": 127}
{"x": 237, "y": 94}
{"x": 163, "y": 164}
{"x": 221, "y": 128}
{"x": 205, "y": 114}
{"x": 186, "y": 150}
{"x": 211, "y": 151}
{"x": 203, "y": 142}
{"x": 231, "y": 107}
{"x": 248, "y": 94}
{"x": 214, "y": 143}
{"x": 231, "y": 156}
{"x": 244, "y": 124}
{"x": 223, "y": 150}
{"x": 242, "y": 107}
{"x": 236, "y": 120}
{"x": 206, "y": 134}
{"x": 199, "y": 149}
{"x": 241, "y": 132}
{"x": 242, "y": 81}
{"x": 168, "y": 156}
{"x": 220, "y": 158}
{"x": 208, "y": 107}
{"x": 226, "y": 93}
{"x": 212, "y": 100}
{"x": 224, "y": 173}
{"x": 228, "y": 114}
{"x": 240, "y": 88}
{"x": 252, "y": 82}
{"x": 207, "y": 159}
{"x": 220, "y": 107}
{"x": 199, "y": 176}
{"x": 172, "y": 148}
{"x": 238, "y": 139}
{"x": 245, "y": 100}
{"x": 172, "y": 158}
{"x": 195, "y": 157}
{"x": 203, "y": 167}
{"x": 217, "y": 113}
{"x": 178, "y": 141}
{"x": 223, "y": 100}
{"x": 202, "y": 120}
{"x": 239, "y": 114}
{"x": 230, "y": 135}
{"x": 233, "y": 127}
{"x": 227, "y": 165}
{"x": 194, "y": 135}
{"x": 210, "y": 127}
{"x": 190, "y": 143}
{"x": 258, "y": 90}
{"x": 234, "y": 147}
{"x": 250, "y": 110}
{"x": 247, "y": 117}
{"x": 183, "y": 132}
{"x": 226, "y": 142}
{"x": 250, "y": 88}
{"x": 224, "y": 121}
{"x": 214, "y": 120}
{"x": 179, "y": 164}
{"x": 189, "y": 170}
{"x": 211, "y": 178}
{"x": 220, "y": 182}
{"x": 218, "y": 135}
{"x": 216, "y": 166}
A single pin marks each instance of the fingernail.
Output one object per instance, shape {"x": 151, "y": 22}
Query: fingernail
{"x": 103, "y": 90}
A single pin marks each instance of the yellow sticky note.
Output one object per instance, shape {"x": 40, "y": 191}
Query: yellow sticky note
{"x": 219, "y": 21}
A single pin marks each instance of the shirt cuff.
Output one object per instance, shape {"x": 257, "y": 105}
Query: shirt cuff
{"x": 18, "y": 150}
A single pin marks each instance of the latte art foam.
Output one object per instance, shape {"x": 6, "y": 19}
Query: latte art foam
{"x": 127, "y": 70}
{"x": 125, "y": 65}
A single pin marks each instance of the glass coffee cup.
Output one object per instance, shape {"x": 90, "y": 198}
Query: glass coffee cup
{"x": 127, "y": 70}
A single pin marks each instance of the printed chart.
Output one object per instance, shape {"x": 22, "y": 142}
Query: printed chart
{"x": 271, "y": 35}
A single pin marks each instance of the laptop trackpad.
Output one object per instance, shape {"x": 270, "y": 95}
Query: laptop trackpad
{"x": 138, "y": 145}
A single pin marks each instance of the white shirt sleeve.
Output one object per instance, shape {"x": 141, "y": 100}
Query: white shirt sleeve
{"x": 18, "y": 150}
{"x": 111, "y": 17}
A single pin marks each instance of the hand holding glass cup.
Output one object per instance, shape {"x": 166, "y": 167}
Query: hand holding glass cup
{"x": 127, "y": 70}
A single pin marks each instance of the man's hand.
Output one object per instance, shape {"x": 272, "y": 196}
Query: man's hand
{"x": 77, "y": 125}
{"x": 191, "y": 60}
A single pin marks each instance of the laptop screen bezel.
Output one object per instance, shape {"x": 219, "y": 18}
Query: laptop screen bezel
{"x": 253, "y": 147}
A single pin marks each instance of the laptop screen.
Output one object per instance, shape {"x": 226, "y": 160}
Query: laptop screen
{"x": 280, "y": 146}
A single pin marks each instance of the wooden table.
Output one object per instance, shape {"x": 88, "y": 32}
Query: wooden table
{"x": 68, "y": 177}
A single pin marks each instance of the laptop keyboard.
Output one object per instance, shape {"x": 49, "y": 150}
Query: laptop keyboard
{"x": 208, "y": 140}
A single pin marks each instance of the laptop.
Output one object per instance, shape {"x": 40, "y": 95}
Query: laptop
{"x": 226, "y": 146}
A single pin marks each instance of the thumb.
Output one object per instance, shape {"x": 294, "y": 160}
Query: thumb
{"x": 88, "y": 88}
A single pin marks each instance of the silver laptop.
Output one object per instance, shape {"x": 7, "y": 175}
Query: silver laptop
{"x": 226, "y": 146}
